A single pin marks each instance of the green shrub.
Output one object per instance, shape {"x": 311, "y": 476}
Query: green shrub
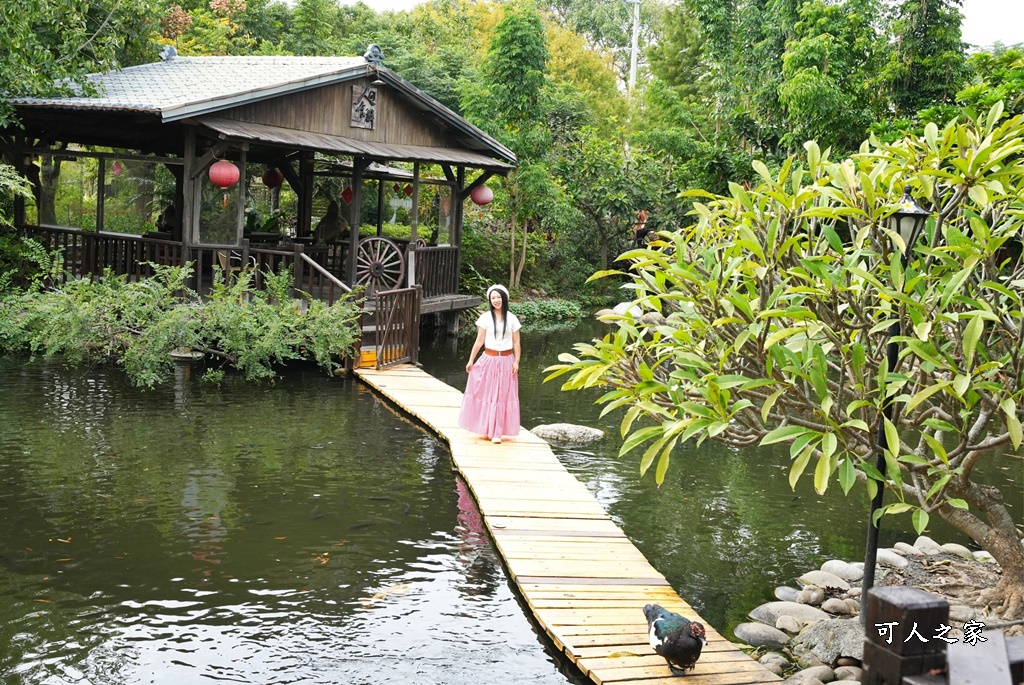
{"x": 138, "y": 324}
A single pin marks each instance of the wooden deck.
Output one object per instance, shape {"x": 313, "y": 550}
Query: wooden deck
{"x": 582, "y": 578}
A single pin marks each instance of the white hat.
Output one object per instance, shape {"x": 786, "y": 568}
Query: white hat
{"x": 496, "y": 287}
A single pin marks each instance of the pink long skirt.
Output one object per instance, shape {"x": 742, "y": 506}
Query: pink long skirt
{"x": 490, "y": 406}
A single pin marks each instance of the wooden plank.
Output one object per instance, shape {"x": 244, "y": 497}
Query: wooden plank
{"x": 582, "y": 579}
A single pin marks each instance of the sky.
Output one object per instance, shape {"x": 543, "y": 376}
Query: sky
{"x": 985, "y": 21}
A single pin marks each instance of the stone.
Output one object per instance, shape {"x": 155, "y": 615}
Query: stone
{"x": 843, "y": 570}
{"x": 804, "y": 657}
{"x": 824, "y": 674}
{"x": 788, "y": 624}
{"x": 567, "y": 433}
{"x": 927, "y": 545}
{"x": 653, "y": 319}
{"x": 847, "y": 661}
{"x": 982, "y": 555}
{"x": 797, "y": 680}
{"x": 961, "y": 613}
{"x": 773, "y": 657}
{"x": 627, "y": 309}
{"x": 854, "y": 605}
{"x": 887, "y": 557}
{"x": 835, "y": 606}
{"x": 855, "y": 593}
{"x": 811, "y": 595}
{"x": 907, "y": 550}
{"x": 957, "y": 550}
{"x": 849, "y": 673}
{"x": 760, "y": 635}
{"x": 602, "y": 313}
{"x": 786, "y": 594}
{"x": 830, "y": 640}
{"x": 774, "y": 668}
{"x": 827, "y": 581}
{"x": 769, "y": 612}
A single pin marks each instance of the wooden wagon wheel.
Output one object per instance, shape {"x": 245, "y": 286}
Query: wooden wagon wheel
{"x": 379, "y": 264}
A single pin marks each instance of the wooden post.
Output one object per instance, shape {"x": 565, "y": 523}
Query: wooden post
{"x": 305, "y": 209}
{"x": 101, "y": 194}
{"x": 415, "y": 220}
{"x": 359, "y": 165}
{"x": 456, "y": 227}
{"x": 240, "y": 218}
{"x": 900, "y": 634}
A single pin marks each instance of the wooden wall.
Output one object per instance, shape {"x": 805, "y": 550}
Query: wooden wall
{"x": 328, "y": 110}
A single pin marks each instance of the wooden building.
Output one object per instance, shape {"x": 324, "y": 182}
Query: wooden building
{"x": 352, "y": 140}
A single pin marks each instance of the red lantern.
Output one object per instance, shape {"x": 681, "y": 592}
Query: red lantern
{"x": 272, "y": 178}
{"x": 481, "y": 195}
{"x": 117, "y": 168}
{"x": 224, "y": 174}
{"x": 408, "y": 190}
{"x": 346, "y": 195}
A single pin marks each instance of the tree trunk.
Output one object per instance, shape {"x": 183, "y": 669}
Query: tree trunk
{"x": 512, "y": 254}
{"x": 522, "y": 256}
{"x": 49, "y": 176}
{"x": 998, "y": 535}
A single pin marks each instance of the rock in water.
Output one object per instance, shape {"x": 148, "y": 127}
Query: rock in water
{"x": 568, "y": 433}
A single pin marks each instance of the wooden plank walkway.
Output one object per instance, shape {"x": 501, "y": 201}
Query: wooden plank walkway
{"x": 582, "y": 578}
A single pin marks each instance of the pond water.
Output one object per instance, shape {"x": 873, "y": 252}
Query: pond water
{"x": 293, "y": 533}
{"x": 305, "y": 532}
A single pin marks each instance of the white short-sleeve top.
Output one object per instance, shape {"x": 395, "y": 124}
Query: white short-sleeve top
{"x": 500, "y": 341}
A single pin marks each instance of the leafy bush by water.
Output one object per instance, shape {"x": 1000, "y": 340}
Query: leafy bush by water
{"x": 138, "y": 324}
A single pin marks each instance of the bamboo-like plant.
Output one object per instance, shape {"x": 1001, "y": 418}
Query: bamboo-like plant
{"x": 778, "y": 303}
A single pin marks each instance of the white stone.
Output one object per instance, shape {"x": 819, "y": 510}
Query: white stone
{"x": 811, "y": 595}
{"x": 927, "y": 545}
{"x": 957, "y": 550}
{"x": 835, "y": 606}
{"x": 887, "y": 557}
{"x": 843, "y": 570}
{"x": 789, "y": 625}
{"x": 827, "y": 581}
{"x": 982, "y": 555}
{"x": 849, "y": 673}
{"x": 760, "y": 635}
{"x": 769, "y": 612}
{"x": 907, "y": 550}
{"x": 567, "y": 432}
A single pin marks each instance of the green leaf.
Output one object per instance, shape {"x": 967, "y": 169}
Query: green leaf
{"x": 821, "y": 473}
{"x": 798, "y": 466}
{"x": 937, "y": 448}
{"x": 766, "y": 408}
{"x": 958, "y": 503}
{"x": 847, "y": 475}
{"x": 1009, "y": 408}
{"x": 892, "y": 437}
{"x": 783, "y": 433}
{"x": 639, "y": 437}
{"x": 920, "y": 518}
{"x": 924, "y": 395}
{"x": 972, "y": 334}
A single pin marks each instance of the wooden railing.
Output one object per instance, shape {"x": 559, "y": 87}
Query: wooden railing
{"x": 87, "y": 253}
{"x": 434, "y": 268}
{"x": 398, "y": 326}
{"x": 315, "y": 280}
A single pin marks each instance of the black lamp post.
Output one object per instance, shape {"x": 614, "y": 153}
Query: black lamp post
{"x": 909, "y": 222}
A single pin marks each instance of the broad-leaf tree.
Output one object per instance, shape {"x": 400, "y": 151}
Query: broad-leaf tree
{"x": 778, "y": 304}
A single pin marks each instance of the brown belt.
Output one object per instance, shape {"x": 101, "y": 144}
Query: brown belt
{"x": 497, "y": 353}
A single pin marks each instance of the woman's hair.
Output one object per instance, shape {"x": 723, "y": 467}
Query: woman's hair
{"x": 500, "y": 289}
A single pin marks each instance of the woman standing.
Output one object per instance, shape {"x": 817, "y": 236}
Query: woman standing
{"x": 490, "y": 406}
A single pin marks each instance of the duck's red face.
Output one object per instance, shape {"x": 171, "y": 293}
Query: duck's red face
{"x": 697, "y": 630}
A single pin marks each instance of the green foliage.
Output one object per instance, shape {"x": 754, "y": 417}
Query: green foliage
{"x": 50, "y": 46}
{"x": 138, "y": 324}
{"x": 777, "y": 306}
{"x": 537, "y": 311}
{"x": 928, "y": 65}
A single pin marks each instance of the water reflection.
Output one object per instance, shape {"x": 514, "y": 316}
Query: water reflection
{"x": 294, "y": 533}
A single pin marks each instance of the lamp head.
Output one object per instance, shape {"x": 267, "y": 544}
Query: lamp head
{"x": 909, "y": 220}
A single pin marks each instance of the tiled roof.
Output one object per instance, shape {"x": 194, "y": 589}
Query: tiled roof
{"x": 184, "y": 86}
